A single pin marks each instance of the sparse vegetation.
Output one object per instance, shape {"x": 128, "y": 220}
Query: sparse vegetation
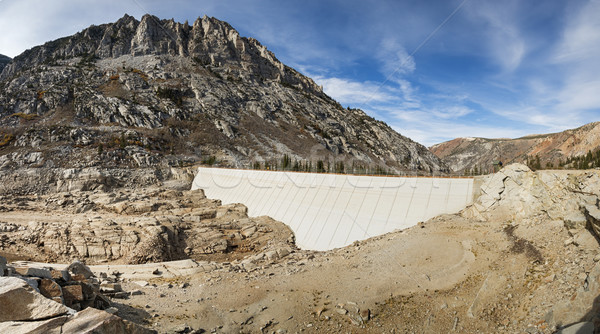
{"x": 589, "y": 160}
{"x": 88, "y": 59}
{"x": 141, "y": 73}
{"x": 210, "y": 160}
{"x": 173, "y": 94}
{"x": 24, "y": 116}
{"x": 6, "y": 139}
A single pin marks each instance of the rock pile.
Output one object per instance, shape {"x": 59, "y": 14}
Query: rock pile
{"x": 44, "y": 299}
{"x": 516, "y": 193}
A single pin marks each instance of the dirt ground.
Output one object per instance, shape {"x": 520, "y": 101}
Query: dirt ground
{"x": 447, "y": 274}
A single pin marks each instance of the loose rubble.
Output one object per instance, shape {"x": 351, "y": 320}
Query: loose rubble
{"x": 45, "y": 299}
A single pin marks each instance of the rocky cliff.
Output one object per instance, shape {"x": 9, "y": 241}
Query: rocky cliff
{"x": 469, "y": 153}
{"x": 158, "y": 92}
{"x": 4, "y": 60}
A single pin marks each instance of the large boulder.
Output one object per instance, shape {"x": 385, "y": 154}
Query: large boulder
{"x": 20, "y": 302}
{"x": 95, "y": 321}
{"x": 90, "y": 321}
{"x": 49, "y": 326}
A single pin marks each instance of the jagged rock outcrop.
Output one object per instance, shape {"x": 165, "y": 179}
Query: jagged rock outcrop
{"x": 516, "y": 193}
{"x": 157, "y": 92}
{"x": 467, "y": 154}
{"x": 141, "y": 226}
{"x": 4, "y": 60}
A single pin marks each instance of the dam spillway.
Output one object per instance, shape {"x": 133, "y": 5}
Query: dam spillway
{"x": 327, "y": 211}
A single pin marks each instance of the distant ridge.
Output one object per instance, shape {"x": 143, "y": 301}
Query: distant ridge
{"x": 466, "y": 154}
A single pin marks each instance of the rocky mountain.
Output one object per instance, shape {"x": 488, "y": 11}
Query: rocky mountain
{"x": 158, "y": 92}
{"x": 465, "y": 154}
{"x": 4, "y": 60}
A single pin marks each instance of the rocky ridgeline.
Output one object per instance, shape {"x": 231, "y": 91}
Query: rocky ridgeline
{"x": 468, "y": 154}
{"x": 71, "y": 300}
{"x": 161, "y": 93}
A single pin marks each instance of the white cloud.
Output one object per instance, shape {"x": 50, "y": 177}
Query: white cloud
{"x": 436, "y": 132}
{"x": 354, "y": 92}
{"x": 581, "y": 37}
{"x": 452, "y": 112}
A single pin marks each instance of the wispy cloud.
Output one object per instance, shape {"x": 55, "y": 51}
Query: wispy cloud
{"x": 396, "y": 62}
{"x": 502, "y": 36}
{"x": 355, "y": 92}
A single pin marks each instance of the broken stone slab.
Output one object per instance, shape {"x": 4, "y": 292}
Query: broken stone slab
{"x": 140, "y": 272}
{"x": 92, "y": 320}
{"x": 110, "y": 287}
{"x": 20, "y": 302}
{"x": 43, "y": 326}
{"x": 33, "y": 272}
{"x": 142, "y": 283}
{"x": 89, "y": 320}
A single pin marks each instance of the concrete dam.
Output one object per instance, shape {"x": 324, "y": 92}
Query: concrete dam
{"x": 327, "y": 211}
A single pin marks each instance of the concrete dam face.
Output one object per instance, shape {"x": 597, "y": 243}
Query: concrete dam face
{"x": 327, "y": 211}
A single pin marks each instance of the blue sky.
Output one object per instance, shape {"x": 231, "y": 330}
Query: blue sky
{"x": 433, "y": 70}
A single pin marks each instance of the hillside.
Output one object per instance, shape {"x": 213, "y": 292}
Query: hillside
{"x": 466, "y": 154}
{"x": 157, "y": 92}
{"x": 4, "y": 60}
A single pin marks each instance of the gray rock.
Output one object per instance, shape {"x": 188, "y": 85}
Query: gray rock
{"x": 2, "y": 266}
{"x": 92, "y": 320}
{"x": 20, "y": 302}
{"x": 586, "y": 240}
{"x": 33, "y": 272}
{"x": 578, "y": 328}
{"x": 42, "y": 326}
{"x": 79, "y": 268}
